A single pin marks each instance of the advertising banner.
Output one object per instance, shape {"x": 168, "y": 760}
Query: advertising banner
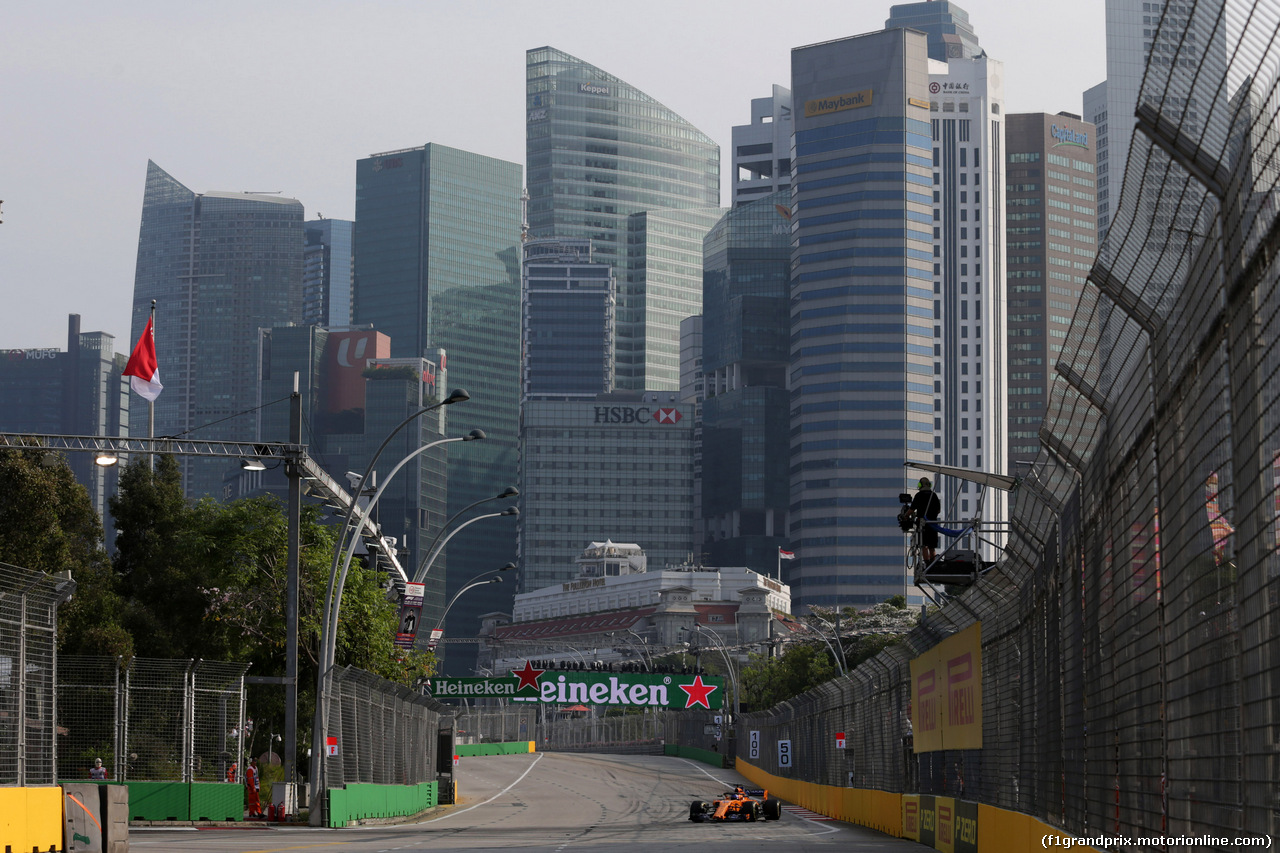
{"x": 649, "y": 690}
{"x": 946, "y": 694}
{"x": 410, "y": 615}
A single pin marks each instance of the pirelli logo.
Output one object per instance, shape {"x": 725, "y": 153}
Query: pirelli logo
{"x": 836, "y": 103}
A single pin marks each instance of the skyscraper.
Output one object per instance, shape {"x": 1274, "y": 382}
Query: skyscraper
{"x": 1051, "y": 232}
{"x": 664, "y": 285}
{"x": 619, "y": 467}
{"x": 862, "y": 308}
{"x": 438, "y": 266}
{"x": 76, "y": 392}
{"x": 567, "y": 305}
{"x": 1140, "y": 34}
{"x": 966, "y": 106}
{"x": 746, "y": 410}
{"x": 598, "y": 151}
{"x": 762, "y": 150}
{"x": 220, "y": 266}
{"x": 328, "y": 267}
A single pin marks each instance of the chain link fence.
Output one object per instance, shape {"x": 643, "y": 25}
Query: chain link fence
{"x": 386, "y": 733}
{"x": 150, "y": 720}
{"x": 28, "y": 654}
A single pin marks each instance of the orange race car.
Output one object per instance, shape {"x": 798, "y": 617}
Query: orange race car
{"x": 738, "y": 804}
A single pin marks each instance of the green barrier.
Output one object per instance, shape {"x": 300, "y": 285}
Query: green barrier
{"x": 182, "y": 800}
{"x": 363, "y": 801}
{"x": 706, "y": 756}
{"x": 520, "y": 747}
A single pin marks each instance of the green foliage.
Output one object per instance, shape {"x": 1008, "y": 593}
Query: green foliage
{"x": 48, "y": 524}
{"x": 767, "y": 681}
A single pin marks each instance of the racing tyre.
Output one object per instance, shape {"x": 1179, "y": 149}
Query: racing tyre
{"x": 754, "y": 812}
{"x": 696, "y": 811}
{"x": 772, "y": 809}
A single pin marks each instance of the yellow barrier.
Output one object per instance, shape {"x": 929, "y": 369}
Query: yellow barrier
{"x": 31, "y": 818}
{"x": 948, "y": 829}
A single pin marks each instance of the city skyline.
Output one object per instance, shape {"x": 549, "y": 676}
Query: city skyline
{"x": 249, "y": 124}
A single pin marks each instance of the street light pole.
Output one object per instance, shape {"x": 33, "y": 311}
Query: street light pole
{"x": 332, "y": 605}
{"x": 473, "y": 585}
{"x": 423, "y": 569}
{"x": 733, "y": 678}
{"x": 430, "y": 553}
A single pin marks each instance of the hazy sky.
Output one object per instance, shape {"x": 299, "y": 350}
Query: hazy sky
{"x": 277, "y": 95}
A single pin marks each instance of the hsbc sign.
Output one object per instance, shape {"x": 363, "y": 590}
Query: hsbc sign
{"x": 637, "y": 415}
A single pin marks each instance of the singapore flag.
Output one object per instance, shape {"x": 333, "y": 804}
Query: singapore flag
{"x": 141, "y": 369}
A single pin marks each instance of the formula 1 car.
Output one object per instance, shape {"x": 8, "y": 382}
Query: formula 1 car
{"x": 738, "y": 804}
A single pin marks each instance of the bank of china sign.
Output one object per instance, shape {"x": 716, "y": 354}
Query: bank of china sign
{"x": 589, "y": 688}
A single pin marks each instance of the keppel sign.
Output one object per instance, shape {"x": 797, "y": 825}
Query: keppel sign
{"x": 596, "y": 688}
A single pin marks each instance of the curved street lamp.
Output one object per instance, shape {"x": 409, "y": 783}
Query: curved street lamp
{"x": 328, "y": 636}
{"x": 733, "y": 678}
{"x": 426, "y": 565}
{"x": 473, "y": 585}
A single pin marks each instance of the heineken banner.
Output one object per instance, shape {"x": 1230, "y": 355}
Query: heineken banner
{"x": 651, "y": 690}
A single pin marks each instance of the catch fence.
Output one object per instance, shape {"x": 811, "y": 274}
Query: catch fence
{"x": 150, "y": 720}
{"x": 386, "y": 733}
{"x": 28, "y": 653}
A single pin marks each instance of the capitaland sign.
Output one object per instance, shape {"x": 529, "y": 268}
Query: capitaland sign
{"x": 636, "y": 415}
{"x": 648, "y": 690}
{"x": 837, "y": 103}
{"x": 1067, "y": 136}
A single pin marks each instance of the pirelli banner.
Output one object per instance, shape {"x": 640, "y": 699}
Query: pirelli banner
{"x": 946, "y": 693}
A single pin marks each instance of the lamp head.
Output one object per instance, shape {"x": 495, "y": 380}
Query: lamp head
{"x": 508, "y": 567}
{"x": 458, "y": 395}
{"x": 509, "y": 492}
{"x": 474, "y": 435}
{"x": 106, "y": 459}
{"x": 252, "y": 465}
{"x": 511, "y": 510}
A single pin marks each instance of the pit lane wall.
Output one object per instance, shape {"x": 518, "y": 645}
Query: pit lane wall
{"x": 943, "y": 823}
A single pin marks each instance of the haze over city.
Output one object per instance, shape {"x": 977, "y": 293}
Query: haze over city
{"x": 286, "y": 96}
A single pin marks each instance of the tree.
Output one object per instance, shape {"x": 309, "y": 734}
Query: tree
{"x": 767, "y": 681}
{"x": 159, "y": 560}
{"x": 48, "y": 524}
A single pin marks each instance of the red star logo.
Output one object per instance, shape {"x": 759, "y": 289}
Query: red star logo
{"x": 528, "y": 676}
{"x": 698, "y": 693}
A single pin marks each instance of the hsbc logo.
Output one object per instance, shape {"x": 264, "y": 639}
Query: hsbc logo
{"x": 627, "y": 415}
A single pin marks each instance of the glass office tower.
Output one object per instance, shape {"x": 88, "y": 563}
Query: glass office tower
{"x": 861, "y": 309}
{"x": 220, "y": 266}
{"x": 327, "y": 273}
{"x": 599, "y": 150}
{"x": 437, "y": 245}
{"x": 746, "y": 409}
{"x": 568, "y": 307}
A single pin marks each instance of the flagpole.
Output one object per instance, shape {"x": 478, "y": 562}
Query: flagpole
{"x": 151, "y": 404}
{"x": 779, "y": 556}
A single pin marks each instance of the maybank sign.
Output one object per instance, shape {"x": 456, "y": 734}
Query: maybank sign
{"x": 1067, "y": 136}
{"x": 836, "y": 103}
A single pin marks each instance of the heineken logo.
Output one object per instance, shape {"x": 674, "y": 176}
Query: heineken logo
{"x": 530, "y": 684}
